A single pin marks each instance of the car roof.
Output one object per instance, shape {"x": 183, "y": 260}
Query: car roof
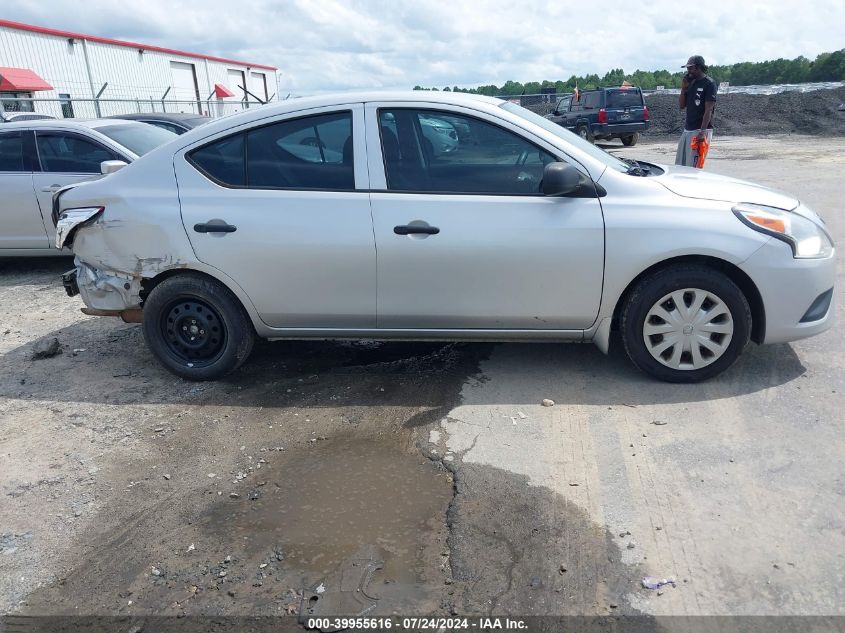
{"x": 27, "y": 115}
{"x": 275, "y": 108}
{"x": 161, "y": 116}
{"x": 435, "y": 96}
{"x": 65, "y": 124}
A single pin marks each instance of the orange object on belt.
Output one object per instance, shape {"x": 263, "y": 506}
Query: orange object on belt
{"x": 701, "y": 148}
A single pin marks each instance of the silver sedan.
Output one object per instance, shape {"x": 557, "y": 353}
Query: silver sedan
{"x": 38, "y": 157}
{"x": 335, "y": 217}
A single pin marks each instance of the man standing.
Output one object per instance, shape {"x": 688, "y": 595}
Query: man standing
{"x": 698, "y": 98}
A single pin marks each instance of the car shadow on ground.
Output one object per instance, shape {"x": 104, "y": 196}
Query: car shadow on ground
{"x": 17, "y": 271}
{"x": 105, "y": 360}
{"x": 607, "y": 145}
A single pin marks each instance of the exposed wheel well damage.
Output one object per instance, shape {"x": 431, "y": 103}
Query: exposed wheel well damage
{"x": 148, "y": 283}
{"x": 732, "y": 272}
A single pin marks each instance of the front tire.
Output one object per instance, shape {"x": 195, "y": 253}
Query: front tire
{"x": 687, "y": 323}
{"x": 196, "y": 327}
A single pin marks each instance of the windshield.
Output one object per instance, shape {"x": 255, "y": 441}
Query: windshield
{"x": 566, "y": 135}
{"x": 138, "y": 138}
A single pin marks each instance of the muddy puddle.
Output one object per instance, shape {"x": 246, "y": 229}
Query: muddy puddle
{"x": 347, "y": 526}
{"x": 345, "y": 503}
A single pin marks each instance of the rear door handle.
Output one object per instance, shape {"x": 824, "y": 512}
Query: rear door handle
{"x": 209, "y": 227}
{"x": 412, "y": 229}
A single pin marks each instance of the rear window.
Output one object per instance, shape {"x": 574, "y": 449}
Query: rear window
{"x": 624, "y": 99}
{"x": 138, "y": 138}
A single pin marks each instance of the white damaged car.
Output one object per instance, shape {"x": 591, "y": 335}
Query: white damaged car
{"x": 522, "y": 231}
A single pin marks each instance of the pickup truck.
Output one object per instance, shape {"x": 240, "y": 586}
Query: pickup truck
{"x": 604, "y": 113}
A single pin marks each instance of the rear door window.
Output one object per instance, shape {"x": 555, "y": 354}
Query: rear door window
{"x": 591, "y": 100}
{"x": 312, "y": 152}
{"x": 621, "y": 99}
{"x": 62, "y": 152}
{"x": 222, "y": 161}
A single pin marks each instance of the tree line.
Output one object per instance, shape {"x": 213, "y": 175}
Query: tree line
{"x": 826, "y": 67}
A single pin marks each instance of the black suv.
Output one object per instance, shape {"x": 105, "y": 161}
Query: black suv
{"x": 604, "y": 113}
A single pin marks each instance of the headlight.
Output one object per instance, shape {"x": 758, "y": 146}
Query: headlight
{"x": 806, "y": 238}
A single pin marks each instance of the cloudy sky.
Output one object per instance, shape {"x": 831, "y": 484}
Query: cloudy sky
{"x": 322, "y": 45}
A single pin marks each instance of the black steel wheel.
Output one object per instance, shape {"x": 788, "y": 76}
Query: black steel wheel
{"x": 193, "y": 332}
{"x": 196, "y": 327}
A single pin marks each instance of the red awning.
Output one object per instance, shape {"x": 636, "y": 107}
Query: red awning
{"x": 21, "y": 80}
{"x": 222, "y": 91}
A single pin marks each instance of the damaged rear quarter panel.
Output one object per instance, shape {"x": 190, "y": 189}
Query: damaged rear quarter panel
{"x": 139, "y": 234}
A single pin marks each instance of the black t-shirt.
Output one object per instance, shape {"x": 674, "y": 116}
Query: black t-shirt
{"x": 699, "y": 92}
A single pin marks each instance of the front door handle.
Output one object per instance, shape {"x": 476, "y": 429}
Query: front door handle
{"x": 413, "y": 229}
{"x": 51, "y": 189}
{"x": 210, "y": 227}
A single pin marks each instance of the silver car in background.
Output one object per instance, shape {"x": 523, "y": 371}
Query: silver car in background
{"x": 38, "y": 157}
{"x": 333, "y": 217}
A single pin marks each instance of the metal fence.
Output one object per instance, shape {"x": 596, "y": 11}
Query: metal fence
{"x": 92, "y": 108}
{"x": 95, "y": 108}
{"x": 541, "y": 104}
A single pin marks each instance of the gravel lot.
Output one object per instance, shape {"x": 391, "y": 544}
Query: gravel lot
{"x": 126, "y": 491}
{"x": 740, "y": 114}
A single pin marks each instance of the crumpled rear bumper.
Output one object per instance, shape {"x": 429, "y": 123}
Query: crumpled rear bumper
{"x": 102, "y": 290}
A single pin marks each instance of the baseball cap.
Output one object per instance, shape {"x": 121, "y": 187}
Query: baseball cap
{"x": 696, "y": 60}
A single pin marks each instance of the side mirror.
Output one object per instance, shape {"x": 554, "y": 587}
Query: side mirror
{"x": 111, "y": 166}
{"x": 560, "y": 179}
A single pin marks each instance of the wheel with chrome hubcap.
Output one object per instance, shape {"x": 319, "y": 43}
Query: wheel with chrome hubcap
{"x": 688, "y": 329}
{"x": 685, "y": 324}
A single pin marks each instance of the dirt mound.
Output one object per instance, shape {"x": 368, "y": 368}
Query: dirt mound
{"x": 756, "y": 115}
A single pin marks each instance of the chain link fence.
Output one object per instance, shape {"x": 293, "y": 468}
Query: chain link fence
{"x": 541, "y": 104}
{"x": 68, "y": 108}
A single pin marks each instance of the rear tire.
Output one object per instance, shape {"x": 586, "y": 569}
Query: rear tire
{"x": 196, "y": 327}
{"x": 687, "y": 323}
{"x": 584, "y": 132}
{"x": 631, "y": 139}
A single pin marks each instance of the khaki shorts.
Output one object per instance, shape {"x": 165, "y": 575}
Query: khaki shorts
{"x": 685, "y": 155}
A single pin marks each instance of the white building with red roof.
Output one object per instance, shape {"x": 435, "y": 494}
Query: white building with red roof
{"x": 73, "y": 69}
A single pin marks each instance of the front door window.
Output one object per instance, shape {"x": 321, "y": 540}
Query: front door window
{"x": 435, "y": 151}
